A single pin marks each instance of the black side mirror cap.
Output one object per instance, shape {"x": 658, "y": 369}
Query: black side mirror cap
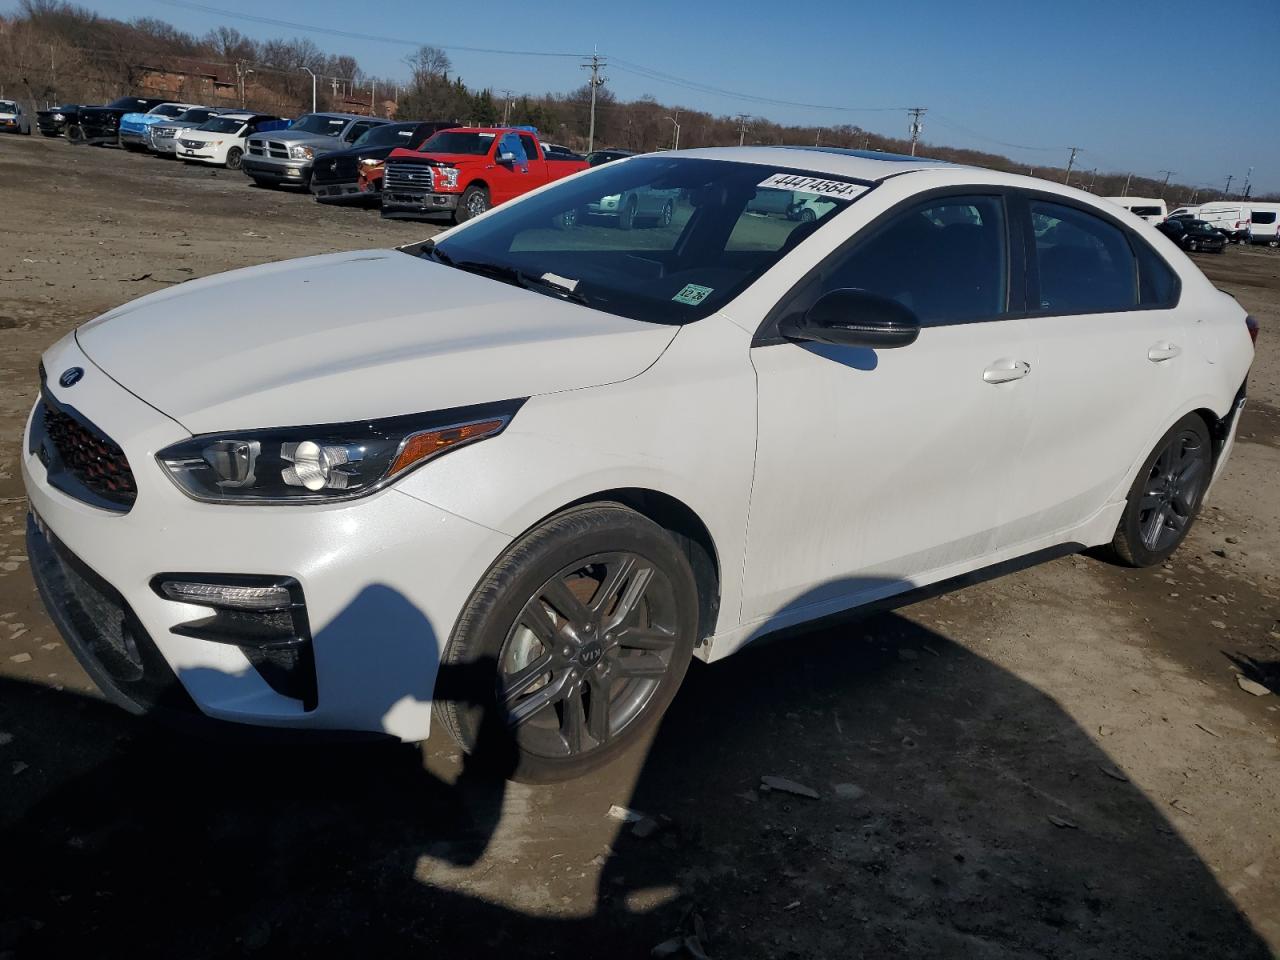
{"x": 853, "y": 318}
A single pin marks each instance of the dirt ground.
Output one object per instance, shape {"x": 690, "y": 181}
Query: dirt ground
{"x": 1054, "y": 762}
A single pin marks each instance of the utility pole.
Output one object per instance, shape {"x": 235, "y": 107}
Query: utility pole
{"x": 1248, "y": 184}
{"x": 506, "y": 106}
{"x": 817, "y": 140}
{"x": 1093, "y": 178}
{"x": 1071, "y": 163}
{"x": 596, "y": 82}
{"x": 1226, "y": 191}
{"x": 313, "y": 88}
{"x": 915, "y": 113}
{"x": 241, "y": 73}
{"x": 373, "y": 98}
{"x": 1167, "y": 175}
{"x": 742, "y": 119}
{"x": 1125, "y": 191}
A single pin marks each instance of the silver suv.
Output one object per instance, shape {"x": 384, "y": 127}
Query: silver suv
{"x": 284, "y": 157}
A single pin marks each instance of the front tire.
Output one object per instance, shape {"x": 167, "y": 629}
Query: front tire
{"x": 233, "y": 158}
{"x": 1166, "y": 495}
{"x": 627, "y": 215}
{"x": 474, "y": 201}
{"x": 572, "y": 647}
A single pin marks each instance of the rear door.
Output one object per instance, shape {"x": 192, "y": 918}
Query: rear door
{"x": 1109, "y": 360}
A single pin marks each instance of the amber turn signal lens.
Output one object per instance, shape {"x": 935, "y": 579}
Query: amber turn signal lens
{"x": 424, "y": 446}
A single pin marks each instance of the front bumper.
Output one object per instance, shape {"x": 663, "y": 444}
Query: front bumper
{"x": 163, "y": 144}
{"x": 297, "y": 172}
{"x": 384, "y": 579}
{"x": 406, "y": 204}
{"x": 137, "y": 138}
{"x": 333, "y": 191}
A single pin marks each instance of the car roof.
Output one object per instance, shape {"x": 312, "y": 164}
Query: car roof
{"x": 836, "y": 161}
{"x": 347, "y": 116}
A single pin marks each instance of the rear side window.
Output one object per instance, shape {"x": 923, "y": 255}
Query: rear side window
{"x": 945, "y": 260}
{"x": 1264, "y": 216}
{"x": 1085, "y": 263}
{"x": 1158, "y": 285}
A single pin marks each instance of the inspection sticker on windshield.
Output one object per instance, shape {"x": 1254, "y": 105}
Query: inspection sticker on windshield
{"x": 824, "y": 188}
{"x": 693, "y": 294}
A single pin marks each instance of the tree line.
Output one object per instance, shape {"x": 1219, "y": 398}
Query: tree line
{"x": 52, "y": 51}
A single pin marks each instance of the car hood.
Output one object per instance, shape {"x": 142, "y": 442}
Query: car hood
{"x": 192, "y": 133}
{"x": 352, "y": 336}
{"x": 144, "y": 119}
{"x": 452, "y": 159}
{"x": 301, "y": 136}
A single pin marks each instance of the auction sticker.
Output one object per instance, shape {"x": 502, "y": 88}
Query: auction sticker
{"x": 693, "y": 294}
{"x": 823, "y": 188}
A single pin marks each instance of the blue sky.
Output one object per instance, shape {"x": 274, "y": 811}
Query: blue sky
{"x": 1141, "y": 85}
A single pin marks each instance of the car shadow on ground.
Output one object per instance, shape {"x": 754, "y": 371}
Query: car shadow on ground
{"x": 960, "y": 812}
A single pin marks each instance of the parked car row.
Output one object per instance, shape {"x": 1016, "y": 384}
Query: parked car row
{"x": 1235, "y": 221}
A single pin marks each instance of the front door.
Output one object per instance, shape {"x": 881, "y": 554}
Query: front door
{"x": 880, "y": 469}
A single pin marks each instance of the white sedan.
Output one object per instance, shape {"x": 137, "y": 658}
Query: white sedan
{"x": 523, "y": 473}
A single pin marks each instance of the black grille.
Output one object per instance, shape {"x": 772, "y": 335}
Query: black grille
{"x": 90, "y": 457}
{"x": 100, "y": 628}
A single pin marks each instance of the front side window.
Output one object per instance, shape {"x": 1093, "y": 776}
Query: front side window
{"x": 945, "y": 260}
{"x": 661, "y": 239}
{"x": 457, "y": 141}
{"x": 1264, "y": 216}
{"x": 1085, "y": 264}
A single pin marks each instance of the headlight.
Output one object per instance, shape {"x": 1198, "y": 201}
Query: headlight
{"x": 319, "y": 464}
{"x": 59, "y": 116}
{"x": 444, "y": 178}
{"x": 298, "y": 152}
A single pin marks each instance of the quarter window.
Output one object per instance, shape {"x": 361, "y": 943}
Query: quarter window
{"x": 1085, "y": 263}
{"x": 1158, "y": 285}
{"x": 945, "y": 260}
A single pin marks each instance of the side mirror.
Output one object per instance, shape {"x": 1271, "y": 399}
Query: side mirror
{"x": 505, "y": 157}
{"x": 853, "y": 318}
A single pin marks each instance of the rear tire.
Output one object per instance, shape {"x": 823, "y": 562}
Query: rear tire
{"x": 572, "y": 646}
{"x": 1166, "y": 495}
{"x": 627, "y": 215}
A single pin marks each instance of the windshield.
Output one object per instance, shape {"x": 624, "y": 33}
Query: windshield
{"x": 455, "y": 141}
{"x": 387, "y": 135}
{"x": 167, "y": 110}
{"x": 222, "y": 125}
{"x": 198, "y": 115}
{"x": 8, "y": 106}
{"x": 319, "y": 123}
{"x": 662, "y": 239}
{"x": 603, "y": 156}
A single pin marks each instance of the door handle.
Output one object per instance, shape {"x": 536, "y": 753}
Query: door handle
{"x": 1002, "y": 371}
{"x": 1164, "y": 350}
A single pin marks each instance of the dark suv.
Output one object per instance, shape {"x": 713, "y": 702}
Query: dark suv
{"x": 337, "y": 176}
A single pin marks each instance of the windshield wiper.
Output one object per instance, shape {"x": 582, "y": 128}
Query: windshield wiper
{"x": 506, "y": 274}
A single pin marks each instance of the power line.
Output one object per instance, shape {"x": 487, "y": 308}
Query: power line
{"x": 948, "y": 122}
{"x": 627, "y": 66}
{"x": 352, "y": 35}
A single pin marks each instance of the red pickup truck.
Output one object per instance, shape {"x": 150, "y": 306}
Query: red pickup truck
{"x": 465, "y": 171}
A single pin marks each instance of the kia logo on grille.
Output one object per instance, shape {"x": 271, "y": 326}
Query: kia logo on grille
{"x": 71, "y": 376}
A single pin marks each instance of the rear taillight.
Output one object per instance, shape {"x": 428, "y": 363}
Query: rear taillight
{"x": 1252, "y": 324}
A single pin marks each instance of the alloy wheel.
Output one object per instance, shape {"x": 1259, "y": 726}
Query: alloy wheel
{"x": 587, "y": 654}
{"x": 1172, "y": 491}
{"x": 476, "y": 204}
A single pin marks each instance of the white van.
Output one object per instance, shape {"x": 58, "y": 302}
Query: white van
{"x": 1229, "y": 216}
{"x": 1264, "y": 223}
{"x": 1149, "y": 209}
